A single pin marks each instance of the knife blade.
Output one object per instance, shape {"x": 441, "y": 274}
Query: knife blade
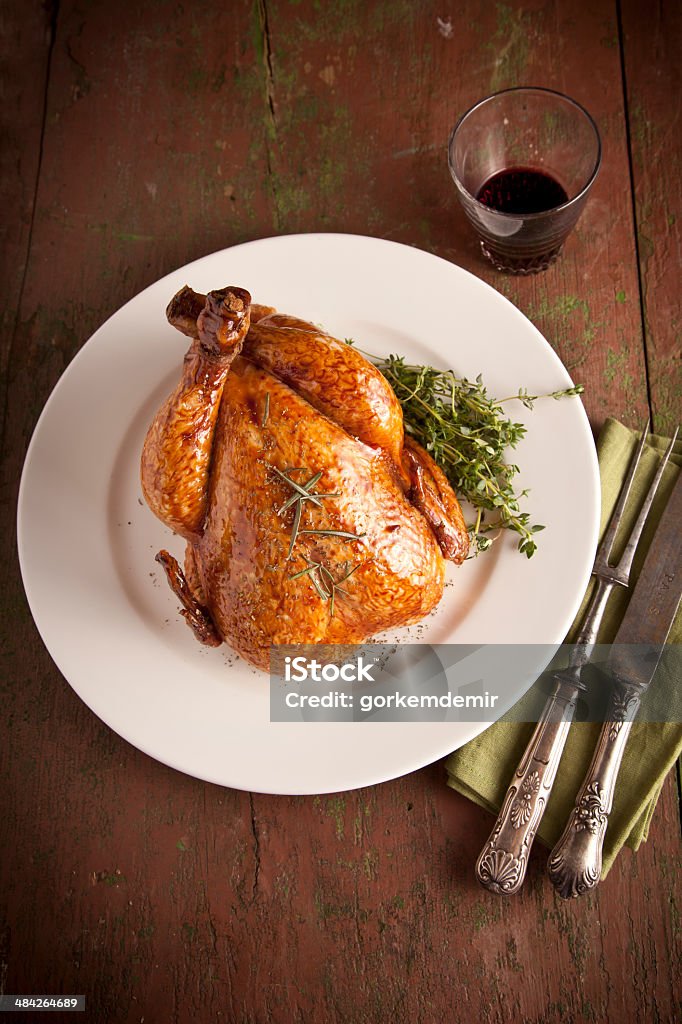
{"x": 655, "y": 599}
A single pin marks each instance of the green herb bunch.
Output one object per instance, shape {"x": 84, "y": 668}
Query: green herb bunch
{"x": 468, "y": 434}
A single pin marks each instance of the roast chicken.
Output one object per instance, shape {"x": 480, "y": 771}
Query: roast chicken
{"x": 280, "y": 457}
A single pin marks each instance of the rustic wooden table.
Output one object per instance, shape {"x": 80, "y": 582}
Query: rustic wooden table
{"x": 138, "y": 137}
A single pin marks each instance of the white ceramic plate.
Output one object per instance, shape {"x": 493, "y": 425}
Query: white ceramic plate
{"x": 87, "y": 542}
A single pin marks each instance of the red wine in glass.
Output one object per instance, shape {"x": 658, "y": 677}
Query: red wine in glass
{"x": 521, "y": 190}
{"x": 518, "y": 244}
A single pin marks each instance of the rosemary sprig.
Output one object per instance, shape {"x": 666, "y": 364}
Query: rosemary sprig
{"x": 336, "y": 533}
{"x": 312, "y": 568}
{"x": 266, "y": 411}
{"x": 323, "y": 581}
{"x": 295, "y": 527}
{"x": 301, "y": 497}
{"x": 304, "y": 492}
{"x": 467, "y": 433}
{"x": 301, "y": 492}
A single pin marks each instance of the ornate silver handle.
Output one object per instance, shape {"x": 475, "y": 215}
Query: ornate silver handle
{"x": 575, "y": 862}
{"x": 501, "y": 866}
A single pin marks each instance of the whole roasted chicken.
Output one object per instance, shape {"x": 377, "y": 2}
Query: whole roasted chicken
{"x": 281, "y": 458}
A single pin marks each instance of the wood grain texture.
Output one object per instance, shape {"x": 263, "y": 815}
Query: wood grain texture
{"x": 654, "y": 82}
{"x": 171, "y": 131}
{"x": 25, "y": 49}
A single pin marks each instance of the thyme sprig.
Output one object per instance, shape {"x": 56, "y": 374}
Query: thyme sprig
{"x": 467, "y": 433}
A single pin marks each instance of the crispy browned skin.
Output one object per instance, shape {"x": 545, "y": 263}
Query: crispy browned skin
{"x": 179, "y": 444}
{"x": 333, "y": 376}
{"x": 433, "y": 496}
{"x": 265, "y": 411}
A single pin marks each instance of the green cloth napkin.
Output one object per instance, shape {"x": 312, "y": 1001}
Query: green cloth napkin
{"x": 482, "y": 769}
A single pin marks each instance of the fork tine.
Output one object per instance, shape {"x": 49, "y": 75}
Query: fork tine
{"x": 604, "y": 549}
{"x": 625, "y": 563}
